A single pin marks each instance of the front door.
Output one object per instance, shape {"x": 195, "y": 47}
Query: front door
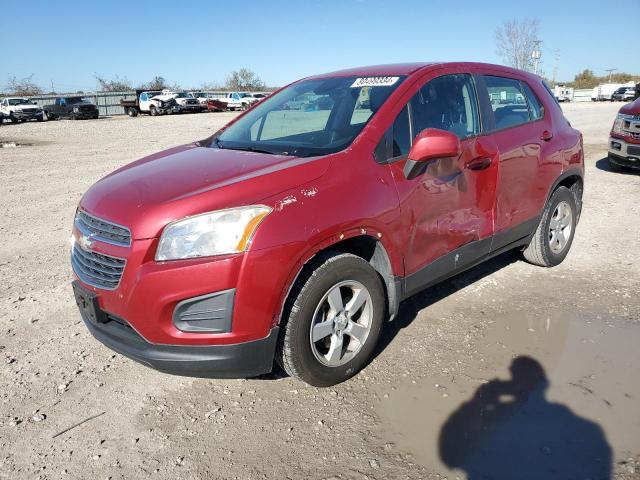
{"x": 448, "y": 208}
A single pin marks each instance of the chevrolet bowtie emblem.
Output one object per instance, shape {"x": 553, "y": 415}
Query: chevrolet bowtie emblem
{"x": 85, "y": 241}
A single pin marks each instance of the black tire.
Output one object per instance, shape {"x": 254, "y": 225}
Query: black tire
{"x": 95, "y": 116}
{"x": 614, "y": 167}
{"x": 153, "y": 111}
{"x": 294, "y": 352}
{"x": 132, "y": 112}
{"x": 13, "y": 119}
{"x": 539, "y": 251}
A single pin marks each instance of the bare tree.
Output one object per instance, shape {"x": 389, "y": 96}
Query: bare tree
{"x": 244, "y": 79}
{"x": 23, "y": 86}
{"x": 116, "y": 84}
{"x": 157, "y": 83}
{"x": 515, "y": 41}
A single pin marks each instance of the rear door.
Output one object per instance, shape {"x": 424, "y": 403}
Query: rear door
{"x": 450, "y": 204}
{"x": 520, "y": 132}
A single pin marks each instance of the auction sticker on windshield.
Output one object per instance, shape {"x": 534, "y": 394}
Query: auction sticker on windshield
{"x": 374, "y": 82}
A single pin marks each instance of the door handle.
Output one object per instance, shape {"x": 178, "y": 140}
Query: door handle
{"x": 479, "y": 163}
{"x": 546, "y": 136}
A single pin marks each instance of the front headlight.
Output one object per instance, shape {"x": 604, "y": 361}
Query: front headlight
{"x": 617, "y": 124}
{"x": 215, "y": 233}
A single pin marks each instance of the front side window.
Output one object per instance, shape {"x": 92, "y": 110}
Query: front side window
{"x": 311, "y": 117}
{"x": 447, "y": 103}
{"x": 507, "y": 101}
{"x": 401, "y": 136}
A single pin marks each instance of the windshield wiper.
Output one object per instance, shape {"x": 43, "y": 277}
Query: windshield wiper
{"x": 254, "y": 149}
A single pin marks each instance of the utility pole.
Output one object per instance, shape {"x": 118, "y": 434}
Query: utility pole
{"x": 610, "y": 70}
{"x": 555, "y": 65}
{"x": 535, "y": 55}
{"x": 52, "y": 89}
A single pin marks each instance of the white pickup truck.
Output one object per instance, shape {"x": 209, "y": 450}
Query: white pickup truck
{"x": 186, "y": 101}
{"x": 19, "y": 109}
{"x": 239, "y": 100}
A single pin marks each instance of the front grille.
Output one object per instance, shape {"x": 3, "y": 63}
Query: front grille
{"x": 97, "y": 269}
{"x": 633, "y": 150}
{"x": 87, "y": 108}
{"x": 102, "y": 230}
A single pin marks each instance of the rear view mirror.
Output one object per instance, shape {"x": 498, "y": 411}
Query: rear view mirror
{"x": 430, "y": 144}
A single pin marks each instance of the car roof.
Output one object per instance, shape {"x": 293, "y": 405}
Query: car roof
{"x": 397, "y": 69}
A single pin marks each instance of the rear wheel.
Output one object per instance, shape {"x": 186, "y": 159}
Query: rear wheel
{"x": 332, "y": 320}
{"x": 132, "y": 112}
{"x": 552, "y": 240}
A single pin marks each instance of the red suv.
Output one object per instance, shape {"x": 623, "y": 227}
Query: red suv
{"x": 293, "y": 232}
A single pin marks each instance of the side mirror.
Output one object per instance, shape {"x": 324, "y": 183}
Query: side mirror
{"x": 433, "y": 143}
{"x": 430, "y": 144}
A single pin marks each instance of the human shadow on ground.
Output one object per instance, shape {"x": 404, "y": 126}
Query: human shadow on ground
{"x": 508, "y": 430}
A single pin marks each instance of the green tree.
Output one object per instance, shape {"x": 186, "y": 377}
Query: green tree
{"x": 585, "y": 79}
{"x": 244, "y": 79}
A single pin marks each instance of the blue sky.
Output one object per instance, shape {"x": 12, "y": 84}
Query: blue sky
{"x": 193, "y": 42}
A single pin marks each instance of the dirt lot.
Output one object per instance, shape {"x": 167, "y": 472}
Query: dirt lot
{"x": 444, "y": 361}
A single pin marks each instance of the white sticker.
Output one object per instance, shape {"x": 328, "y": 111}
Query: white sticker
{"x": 374, "y": 82}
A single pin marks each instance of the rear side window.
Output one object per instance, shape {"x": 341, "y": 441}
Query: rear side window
{"x": 536, "y": 109}
{"x": 507, "y": 101}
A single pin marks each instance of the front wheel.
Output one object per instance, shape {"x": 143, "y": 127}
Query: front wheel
{"x": 332, "y": 320}
{"x": 153, "y": 111}
{"x": 552, "y": 240}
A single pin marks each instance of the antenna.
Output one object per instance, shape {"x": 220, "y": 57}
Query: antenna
{"x": 555, "y": 65}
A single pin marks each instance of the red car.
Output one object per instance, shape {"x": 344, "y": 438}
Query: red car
{"x": 215, "y": 105}
{"x": 292, "y": 235}
{"x": 624, "y": 142}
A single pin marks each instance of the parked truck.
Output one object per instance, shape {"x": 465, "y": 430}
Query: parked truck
{"x": 186, "y": 101}
{"x": 150, "y": 102}
{"x": 19, "y": 109}
{"x": 75, "y": 108}
{"x": 238, "y": 100}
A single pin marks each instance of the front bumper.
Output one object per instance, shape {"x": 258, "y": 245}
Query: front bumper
{"x": 241, "y": 360}
{"x": 623, "y": 153}
{"x": 85, "y": 114}
{"x": 191, "y": 108}
{"x": 19, "y": 115}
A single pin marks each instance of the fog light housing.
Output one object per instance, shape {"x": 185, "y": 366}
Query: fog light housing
{"x": 616, "y": 145}
{"x": 210, "y": 313}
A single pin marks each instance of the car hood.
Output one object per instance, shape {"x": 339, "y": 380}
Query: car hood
{"x": 632, "y": 108}
{"x": 187, "y": 180}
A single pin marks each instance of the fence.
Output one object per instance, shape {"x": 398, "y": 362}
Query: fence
{"x": 108, "y": 102}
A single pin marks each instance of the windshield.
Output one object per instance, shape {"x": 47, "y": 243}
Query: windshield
{"x": 182, "y": 95}
{"x": 20, "y": 101}
{"x": 77, "y": 100}
{"x": 311, "y": 117}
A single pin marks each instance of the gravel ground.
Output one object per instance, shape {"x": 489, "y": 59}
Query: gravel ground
{"x": 580, "y": 321}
